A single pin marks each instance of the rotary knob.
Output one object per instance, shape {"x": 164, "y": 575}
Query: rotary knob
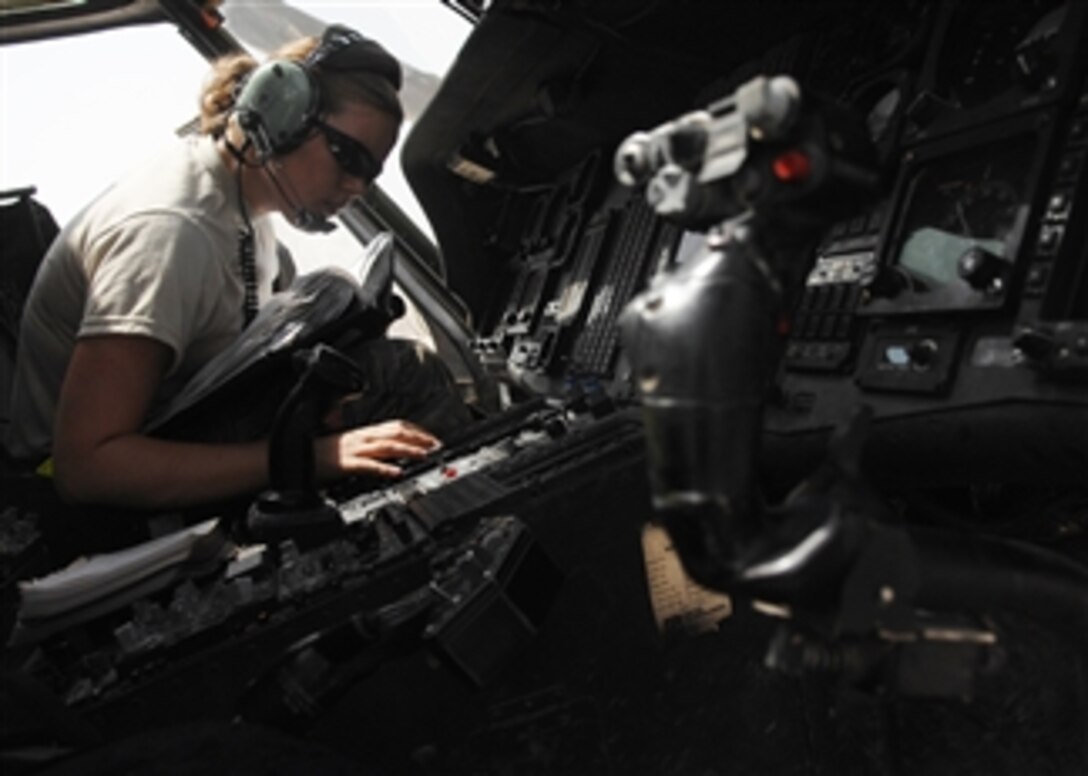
{"x": 982, "y": 270}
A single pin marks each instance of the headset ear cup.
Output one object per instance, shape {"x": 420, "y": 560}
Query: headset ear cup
{"x": 276, "y": 106}
{"x": 253, "y": 128}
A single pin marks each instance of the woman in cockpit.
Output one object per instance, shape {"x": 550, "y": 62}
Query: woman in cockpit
{"x": 165, "y": 269}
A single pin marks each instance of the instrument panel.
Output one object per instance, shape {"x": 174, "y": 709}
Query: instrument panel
{"x": 954, "y": 306}
{"x": 959, "y": 289}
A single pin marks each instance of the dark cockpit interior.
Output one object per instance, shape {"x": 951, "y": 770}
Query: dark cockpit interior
{"x": 777, "y": 318}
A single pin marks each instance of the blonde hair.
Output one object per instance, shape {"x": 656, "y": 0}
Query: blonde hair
{"x": 337, "y": 88}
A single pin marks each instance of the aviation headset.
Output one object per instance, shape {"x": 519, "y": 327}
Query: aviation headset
{"x": 279, "y": 103}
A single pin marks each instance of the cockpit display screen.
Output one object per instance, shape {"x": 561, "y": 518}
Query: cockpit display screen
{"x": 973, "y": 203}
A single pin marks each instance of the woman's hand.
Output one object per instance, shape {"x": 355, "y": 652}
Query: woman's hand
{"x": 367, "y": 450}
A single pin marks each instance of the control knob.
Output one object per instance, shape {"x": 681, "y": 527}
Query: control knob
{"x": 982, "y": 270}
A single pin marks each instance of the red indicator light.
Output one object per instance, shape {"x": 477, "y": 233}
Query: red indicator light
{"x": 449, "y": 472}
{"x": 792, "y": 166}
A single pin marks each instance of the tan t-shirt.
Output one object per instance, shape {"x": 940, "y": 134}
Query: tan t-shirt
{"x": 155, "y": 255}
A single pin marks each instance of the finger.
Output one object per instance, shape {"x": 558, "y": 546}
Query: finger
{"x": 420, "y": 438}
{"x": 372, "y": 467}
{"x": 336, "y": 455}
{"x": 389, "y": 449}
{"x": 399, "y": 430}
{"x": 404, "y": 430}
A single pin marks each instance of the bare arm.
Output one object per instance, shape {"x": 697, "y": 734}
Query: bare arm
{"x": 101, "y": 457}
{"x": 99, "y": 453}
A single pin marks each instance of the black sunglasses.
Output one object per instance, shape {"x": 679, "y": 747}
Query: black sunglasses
{"x": 353, "y": 157}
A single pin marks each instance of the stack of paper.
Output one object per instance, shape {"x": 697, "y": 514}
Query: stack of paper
{"x": 88, "y": 580}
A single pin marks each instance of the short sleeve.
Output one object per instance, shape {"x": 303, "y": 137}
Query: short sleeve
{"x": 149, "y": 276}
